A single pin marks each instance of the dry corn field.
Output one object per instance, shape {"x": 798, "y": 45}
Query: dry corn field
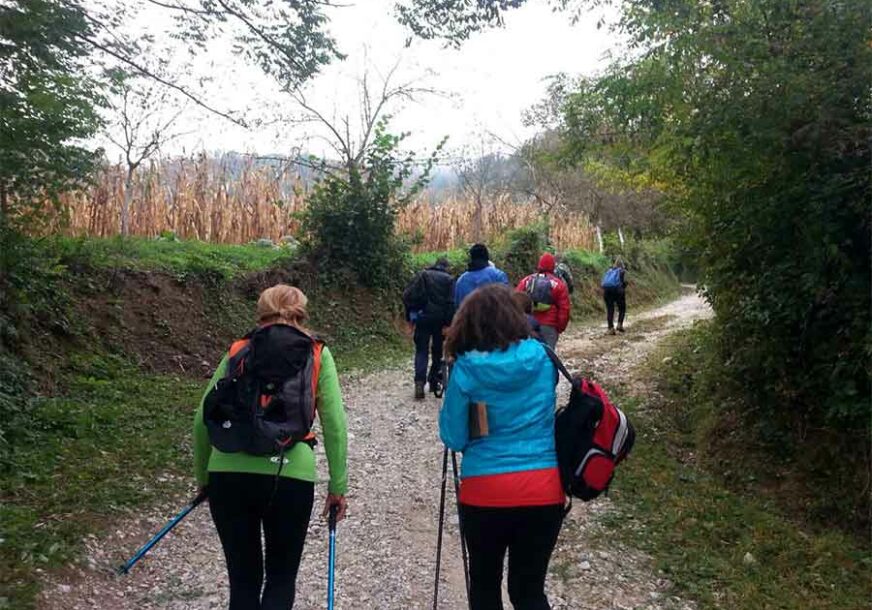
{"x": 237, "y": 201}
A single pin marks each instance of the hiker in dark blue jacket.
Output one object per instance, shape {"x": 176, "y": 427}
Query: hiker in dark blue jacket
{"x": 614, "y": 286}
{"x": 429, "y": 308}
{"x": 480, "y": 272}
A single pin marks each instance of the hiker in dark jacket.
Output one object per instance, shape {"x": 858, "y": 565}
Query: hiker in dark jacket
{"x": 614, "y": 285}
{"x": 563, "y": 271}
{"x": 429, "y": 308}
{"x": 479, "y": 273}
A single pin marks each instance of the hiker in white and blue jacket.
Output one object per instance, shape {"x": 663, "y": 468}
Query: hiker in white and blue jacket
{"x": 480, "y": 272}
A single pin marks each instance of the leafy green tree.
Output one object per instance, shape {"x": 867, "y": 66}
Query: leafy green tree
{"x": 453, "y": 20}
{"x": 754, "y": 119}
{"x": 47, "y": 102}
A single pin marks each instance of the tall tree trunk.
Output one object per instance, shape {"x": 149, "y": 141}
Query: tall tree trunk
{"x": 599, "y": 239}
{"x": 621, "y": 237}
{"x": 125, "y": 205}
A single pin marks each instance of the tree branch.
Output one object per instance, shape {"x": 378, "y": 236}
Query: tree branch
{"x": 263, "y": 35}
{"x": 145, "y": 72}
{"x": 179, "y": 7}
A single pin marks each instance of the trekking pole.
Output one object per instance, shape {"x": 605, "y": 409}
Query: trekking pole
{"x": 331, "y": 558}
{"x": 126, "y": 566}
{"x": 441, "y": 526}
{"x": 460, "y": 527}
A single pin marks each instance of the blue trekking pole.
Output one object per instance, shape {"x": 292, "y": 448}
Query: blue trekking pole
{"x": 331, "y": 559}
{"x": 125, "y": 567}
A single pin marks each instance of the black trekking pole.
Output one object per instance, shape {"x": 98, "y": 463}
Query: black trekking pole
{"x": 441, "y": 526}
{"x": 145, "y": 548}
{"x": 460, "y": 527}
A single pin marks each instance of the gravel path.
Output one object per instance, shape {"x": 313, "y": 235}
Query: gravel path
{"x": 386, "y": 546}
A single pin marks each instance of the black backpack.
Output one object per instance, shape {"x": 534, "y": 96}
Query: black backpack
{"x": 266, "y": 401}
{"x": 539, "y": 288}
{"x": 592, "y": 437}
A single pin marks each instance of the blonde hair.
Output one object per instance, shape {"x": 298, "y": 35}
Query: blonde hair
{"x": 283, "y": 304}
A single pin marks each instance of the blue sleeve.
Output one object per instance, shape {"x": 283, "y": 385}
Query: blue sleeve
{"x": 454, "y": 417}
{"x": 503, "y": 277}
{"x": 459, "y": 293}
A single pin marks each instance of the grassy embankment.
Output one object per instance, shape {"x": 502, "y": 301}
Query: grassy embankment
{"x": 105, "y": 355}
{"x": 104, "y": 358}
{"x": 723, "y": 519}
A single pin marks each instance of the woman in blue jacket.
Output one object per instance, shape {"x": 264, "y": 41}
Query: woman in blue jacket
{"x": 511, "y": 497}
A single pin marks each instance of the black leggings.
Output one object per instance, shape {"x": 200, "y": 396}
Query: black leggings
{"x": 615, "y": 297}
{"x": 242, "y": 503}
{"x": 529, "y": 534}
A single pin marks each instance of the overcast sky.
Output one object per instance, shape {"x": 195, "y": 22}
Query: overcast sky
{"x": 486, "y": 84}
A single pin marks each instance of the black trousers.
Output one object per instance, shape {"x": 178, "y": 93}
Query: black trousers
{"x": 428, "y": 335}
{"x": 613, "y": 297}
{"x": 529, "y": 535}
{"x": 241, "y": 505}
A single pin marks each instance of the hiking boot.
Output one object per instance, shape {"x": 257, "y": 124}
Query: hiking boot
{"x": 419, "y": 390}
{"x": 436, "y": 388}
{"x": 620, "y": 329}
{"x": 611, "y": 331}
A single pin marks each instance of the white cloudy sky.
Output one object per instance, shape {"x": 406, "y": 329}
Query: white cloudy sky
{"x": 487, "y": 83}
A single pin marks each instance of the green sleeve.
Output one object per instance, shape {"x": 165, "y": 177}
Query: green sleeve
{"x": 202, "y": 446}
{"x": 333, "y": 425}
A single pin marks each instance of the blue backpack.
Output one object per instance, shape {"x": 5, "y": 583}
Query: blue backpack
{"x": 612, "y": 278}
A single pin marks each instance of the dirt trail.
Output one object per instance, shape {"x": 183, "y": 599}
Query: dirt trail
{"x": 386, "y": 547}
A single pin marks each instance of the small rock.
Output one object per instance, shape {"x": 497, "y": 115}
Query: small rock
{"x": 749, "y": 559}
{"x": 584, "y": 565}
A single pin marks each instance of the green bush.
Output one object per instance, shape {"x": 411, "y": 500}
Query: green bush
{"x": 819, "y": 475}
{"x": 351, "y": 215}
{"x": 519, "y": 253}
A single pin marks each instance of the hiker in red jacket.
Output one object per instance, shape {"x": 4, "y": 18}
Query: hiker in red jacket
{"x": 550, "y": 297}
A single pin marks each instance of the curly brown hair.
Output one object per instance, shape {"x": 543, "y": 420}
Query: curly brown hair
{"x": 489, "y": 319}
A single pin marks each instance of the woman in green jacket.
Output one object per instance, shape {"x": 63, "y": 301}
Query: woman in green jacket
{"x": 249, "y": 493}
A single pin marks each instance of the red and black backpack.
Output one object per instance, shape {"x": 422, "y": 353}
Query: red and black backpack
{"x": 592, "y": 437}
{"x": 266, "y": 401}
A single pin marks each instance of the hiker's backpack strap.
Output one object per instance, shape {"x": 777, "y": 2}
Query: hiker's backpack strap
{"x": 565, "y": 372}
{"x": 558, "y": 363}
{"x": 317, "y": 353}
{"x": 238, "y": 352}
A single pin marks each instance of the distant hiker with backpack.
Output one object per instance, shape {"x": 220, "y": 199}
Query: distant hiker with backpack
{"x": 614, "y": 285}
{"x": 429, "y": 301}
{"x": 253, "y": 448}
{"x": 480, "y": 272}
{"x": 551, "y": 304}
{"x": 498, "y": 411}
{"x": 563, "y": 271}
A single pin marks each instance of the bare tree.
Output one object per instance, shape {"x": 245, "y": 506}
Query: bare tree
{"x": 350, "y": 136}
{"x": 555, "y": 186}
{"x": 146, "y": 114}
